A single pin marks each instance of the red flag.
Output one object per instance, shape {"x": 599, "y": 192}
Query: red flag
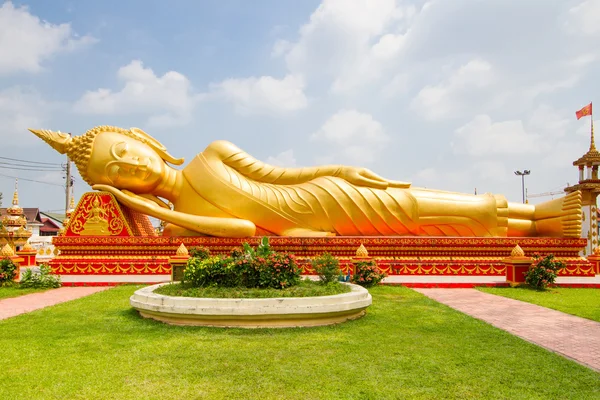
{"x": 585, "y": 111}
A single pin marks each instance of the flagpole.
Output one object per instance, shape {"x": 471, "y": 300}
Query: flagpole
{"x": 593, "y": 145}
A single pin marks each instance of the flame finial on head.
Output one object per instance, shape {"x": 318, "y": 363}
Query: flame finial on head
{"x": 58, "y": 140}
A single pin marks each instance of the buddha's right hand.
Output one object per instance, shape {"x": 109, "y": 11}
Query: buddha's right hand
{"x": 130, "y": 199}
{"x": 366, "y": 177}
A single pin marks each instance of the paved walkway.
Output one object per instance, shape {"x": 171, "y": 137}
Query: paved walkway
{"x": 23, "y": 304}
{"x": 573, "y": 337}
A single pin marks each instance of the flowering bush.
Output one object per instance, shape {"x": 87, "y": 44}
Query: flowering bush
{"x": 367, "y": 274}
{"x": 200, "y": 252}
{"x": 245, "y": 267}
{"x": 327, "y": 267}
{"x": 543, "y": 273}
{"x": 8, "y": 271}
{"x": 277, "y": 271}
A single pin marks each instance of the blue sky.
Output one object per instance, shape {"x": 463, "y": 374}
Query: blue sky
{"x": 450, "y": 95}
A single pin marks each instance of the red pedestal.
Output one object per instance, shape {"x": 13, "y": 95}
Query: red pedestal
{"x": 595, "y": 261}
{"x": 28, "y": 257}
{"x": 178, "y": 264}
{"x": 516, "y": 268}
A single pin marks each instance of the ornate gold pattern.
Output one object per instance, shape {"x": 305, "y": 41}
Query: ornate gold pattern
{"x": 182, "y": 251}
{"x": 98, "y": 219}
{"x": 362, "y": 251}
{"x": 517, "y": 251}
{"x": 7, "y": 251}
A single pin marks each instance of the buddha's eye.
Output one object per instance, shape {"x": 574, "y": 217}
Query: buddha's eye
{"x": 119, "y": 150}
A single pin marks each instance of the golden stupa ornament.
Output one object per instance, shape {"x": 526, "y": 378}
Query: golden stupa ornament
{"x": 27, "y": 247}
{"x": 182, "y": 251}
{"x": 14, "y": 223}
{"x": 7, "y": 251}
{"x": 362, "y": 251}
{"x": 517, "y": 251}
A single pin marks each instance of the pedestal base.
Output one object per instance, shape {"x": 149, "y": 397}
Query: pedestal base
{"x": 144, "y": 257}
{"x": 516, "y": 269}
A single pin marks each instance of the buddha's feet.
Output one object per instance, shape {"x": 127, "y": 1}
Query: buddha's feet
{"x": 559, "y": 217}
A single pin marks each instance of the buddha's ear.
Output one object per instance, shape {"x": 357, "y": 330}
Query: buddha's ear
{"x": 156, "y": 145}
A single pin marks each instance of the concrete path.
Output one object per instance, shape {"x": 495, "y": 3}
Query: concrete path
{"x": 573, "y": 337}
{"x": 23, "y": 304}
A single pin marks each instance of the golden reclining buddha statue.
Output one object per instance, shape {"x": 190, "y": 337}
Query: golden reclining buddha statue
{"x": 226, "y": 192}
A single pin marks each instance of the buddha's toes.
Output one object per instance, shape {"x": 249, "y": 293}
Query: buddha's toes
{"x": 560, "y": 217}
{"x": 571, "y": 214}
{"x": 569, "y": 205}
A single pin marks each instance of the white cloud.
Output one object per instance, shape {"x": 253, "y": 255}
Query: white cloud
{"x": 26, "y": 41}
{"x": 348, "y": 42}
{"x": 540, "y": 133}
{"x": 584, "y": 18}
{"x": 352, "y": 136}
{"x": 398, "y": 85}
{"x": 446, "y": 99}
{"x": 441, "y": 179}
{"x": 550, "y": 122}
{"x": 169, "y": 99}
{"x": 284, "y": 159}
{"x": 263, "y": 95}
{"x": 22, "y": 108}
{"x": 491, "y": 170}
{"x": 483, "y": 138}
{"x": 280, "y": 48}
{"x": 584, "y": 128}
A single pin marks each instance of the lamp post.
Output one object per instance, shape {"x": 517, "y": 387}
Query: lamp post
{"x": 522, "y": 175}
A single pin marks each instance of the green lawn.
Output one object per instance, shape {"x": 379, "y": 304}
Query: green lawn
{"x": 407, "y": 346}
{"x": 6, "y": 292}
{"x": 581, "y": 302}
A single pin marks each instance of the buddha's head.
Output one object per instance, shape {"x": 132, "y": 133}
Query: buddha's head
{"x": 123, "y": 158}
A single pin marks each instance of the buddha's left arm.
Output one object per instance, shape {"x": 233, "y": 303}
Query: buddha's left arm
{"x": 245, "y": 164}
{"x": 250, "y": 167}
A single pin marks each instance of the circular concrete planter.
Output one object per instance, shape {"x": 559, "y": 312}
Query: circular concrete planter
{"x": 281, "y": 312}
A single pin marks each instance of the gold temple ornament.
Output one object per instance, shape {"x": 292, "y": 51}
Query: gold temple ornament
{"x": 225, "y": 192}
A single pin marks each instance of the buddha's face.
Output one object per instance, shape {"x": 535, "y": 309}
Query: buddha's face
{"x": 125, "y": 163}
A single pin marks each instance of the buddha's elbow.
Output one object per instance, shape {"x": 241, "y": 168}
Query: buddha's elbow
{"x": 244, "y": 228}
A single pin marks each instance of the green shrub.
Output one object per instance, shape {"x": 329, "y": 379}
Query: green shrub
{"x": 42, "y": 279}
{"x": 327, "y": 267}
{"x": 544, "y": 271}
{"x": 211, "y": 271}
{"x": 245, "y": 267}
{"x": 367, "y": 274}
{"x": 8, "y": 272}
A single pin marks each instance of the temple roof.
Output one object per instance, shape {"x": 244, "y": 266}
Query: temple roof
{"x": 56, "y": 217}
{"x": 49, "y": 225}
{"x": 592, "y": 157}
